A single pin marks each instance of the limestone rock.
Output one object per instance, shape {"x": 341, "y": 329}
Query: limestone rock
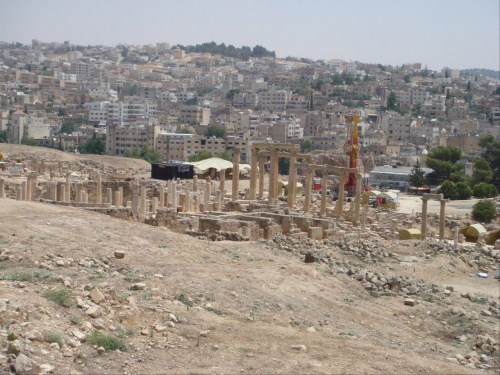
{"x": 96, "y": 296}
{"x": 138, "y": 286}
{"x": 24, "y": 366}
{"x": 204, "y": 333}
{"x": 409, "y": 302}
{"x": 119, "y": 254}
{"x": 300, "y": 348}
{"x": 93, "y": 311}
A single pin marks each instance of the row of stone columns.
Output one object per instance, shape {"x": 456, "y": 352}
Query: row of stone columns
{"x": 423, "y": 229}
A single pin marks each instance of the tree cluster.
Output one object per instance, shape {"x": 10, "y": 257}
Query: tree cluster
{"x": 150, "y": 155}
{"x": 93, "y": 146}
{"x": 242, "y": 53}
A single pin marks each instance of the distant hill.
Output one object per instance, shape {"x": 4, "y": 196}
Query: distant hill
{"x": 485, "y": 72}
{"x": 242, "y": 53}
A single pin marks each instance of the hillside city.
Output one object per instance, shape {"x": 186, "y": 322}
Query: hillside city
{"x": 216, "y": 209}
{"x": 180, "y": 101}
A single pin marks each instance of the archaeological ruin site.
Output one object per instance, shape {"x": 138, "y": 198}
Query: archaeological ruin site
{"x": 104, "y": 269}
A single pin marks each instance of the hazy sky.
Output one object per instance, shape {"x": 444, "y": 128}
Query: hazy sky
{"x": 454, "y": 33}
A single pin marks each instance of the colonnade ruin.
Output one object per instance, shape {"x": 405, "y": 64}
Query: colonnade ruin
{"x": 203, "y": 208}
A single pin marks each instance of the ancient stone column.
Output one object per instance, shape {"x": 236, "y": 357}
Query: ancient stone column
{"x": 109, "y": 196}
{"x": 78, "y": 194}
{"x": 174, "y": 196}
{"x": 273, "y": 175}
{"x": 442, "y": 219}
{"x": 222, "y": 185}
{"x": 195, "y": 183}
{"x": 358, "y": 198}
{"x": 143, "y": 199}
{"x": 52, "y": 190}
{"x": 324, "y": 189}
{"x": 307, "y": 198}
{"x": 34, "y": 181}
{"x": 187, "y": 201}
{"x": 162, "y": 196}
{"x": 262, "y": 173}
{"x": 62, "y": 193}
{"x": 116, "y": 200}
{"x": 424, "y": 219}
{"x": 52, "y": 176}
{"x": 208, "y": 190}
{"x": 84, "y": 196}
{"x": 98, "y": 197}
{"x": 68, "y": 186}
{"x": 455, "y": 237}
{"x": 292, "y": 180}
{"x": 135, "y": 200}
{"x": 218, "y": 199}
{"x": 236, "y": 174}
{"x": 253, "y": 174}
{"x": 120, "y": 191}
{"x": 196, "y": 203}
{"x": 2, "y": 188}
{"x": 29, "y": 185}
{"x": 24, "y": 187}
{"x": 169, "y": 192}
{"x": 19, "y": 195}
{"x": 154, "y": 205}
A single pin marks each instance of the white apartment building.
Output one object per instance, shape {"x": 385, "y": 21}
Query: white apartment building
{"x": 120, "y": 139}
{"x": 81, "y": 69}
{"x": 398, "y": 129}
{"x": 274, "y": 100}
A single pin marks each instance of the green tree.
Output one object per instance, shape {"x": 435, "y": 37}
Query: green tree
{"x": 68, "y": 126}
{"x": 29, "y": 141}
{"x": 484, "y": 190}
{"x": 416, "y": 109}
{"x": 224, "y": 155}
{"x": 215, "y": 131}
{"x": 483, "y": 211}
{"x": 306, "y": 146}
{"x": 230, "y": 93}
{"x": 391, "y": 101}
{"x": 417, "y": 176}
{"x": 491, "y": 154}
{"x": 463, "y": 190}
{"x": 192, "y": 101}
{"x": 132, "y": 90}
{"x": 150, "y": 155}
{"x": 283, "y": 166}
{"x": 202, "y": 155}
{"x": 481, "y": 171}
{"x": 93, "y": 146}
{"x": 349, "y": 80}
{"x": 468, "y": 86}
{"x": 448, "y": 190}
{"x": 61, "y": 112}
{"x": 444, "y": 161}
{"x": 184, "y": 130}
{"x": 135, "y": 154}
{"x": 4, "y": 136}
{"x": 407, "y": 78}
{"x": 360, "y": 104}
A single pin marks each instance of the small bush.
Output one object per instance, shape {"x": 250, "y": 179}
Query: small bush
{"x": 53, "y": 336}
{"x": 215, "y": 311}
{"x": 483, "y": 211}
{"x": 11, "y": 337}
{"x": 25, "y": 275}
{"x": 448, "y": 190}
{"x": 125, "y": 331}
{"x": 76, "y": 319}
{"x": 106, "y": 341}
{"x": 463, "y": 190}
{"x": 484, "y": 190}
{"x": 184, "y": 300}
{"x": 62, "y": 297}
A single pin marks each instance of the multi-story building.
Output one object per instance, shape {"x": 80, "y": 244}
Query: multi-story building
{"x": 274, "y": 100}
{"x": 120, "y": 138}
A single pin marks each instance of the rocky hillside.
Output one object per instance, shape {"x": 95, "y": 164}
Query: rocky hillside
{"x": 85, "y": 293}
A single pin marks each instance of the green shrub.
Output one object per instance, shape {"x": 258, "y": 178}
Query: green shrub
{"x": 62, "y": 297}
{"x": 76, "y": 319}
{"x": 483, "y": 211}
{"x": 53, "y": 336}
{"x": 106, "y": 341}
{"x": 484, "y": 190}
{"x": 463, "y": 190}
{"x": 448, "y": 190}
{"x": 11, "y": 337}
